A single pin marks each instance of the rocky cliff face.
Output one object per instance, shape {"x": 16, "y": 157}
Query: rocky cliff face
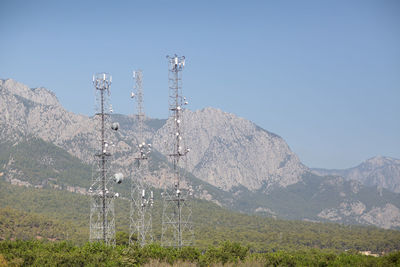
{"x": 383, "y": 172}
{"x": 228, "y": 151}
{"x": 37, "y": 112}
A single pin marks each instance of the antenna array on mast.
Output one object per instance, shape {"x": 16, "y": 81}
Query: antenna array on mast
{"x": 102, "y": 217}
{"x": 141, "y": 196}
{"x": 177, "y": 227}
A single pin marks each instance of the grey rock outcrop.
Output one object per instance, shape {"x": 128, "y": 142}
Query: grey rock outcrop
{"x": 387, "y": 216}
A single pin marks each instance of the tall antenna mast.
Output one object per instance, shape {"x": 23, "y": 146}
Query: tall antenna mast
{"x": 141, "y": 195}
{"x": 177, "y": 229}
{"x": 102, "y": 217}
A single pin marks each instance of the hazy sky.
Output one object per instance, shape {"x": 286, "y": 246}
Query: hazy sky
{"x": 324, "y": 75}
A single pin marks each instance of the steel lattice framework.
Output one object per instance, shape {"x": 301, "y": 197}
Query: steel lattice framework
{"x": 102, "y": 218}
{"x": 177, "y": 226}
{"x": 141, "y": 195}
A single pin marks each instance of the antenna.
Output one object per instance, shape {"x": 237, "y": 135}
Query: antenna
{"x": 177, "y": 228}
{"x": 142, "y": 199}
{"x": 102, "y": 217}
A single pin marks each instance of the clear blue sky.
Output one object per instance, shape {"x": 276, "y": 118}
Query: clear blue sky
{"x": 324, "y": 75}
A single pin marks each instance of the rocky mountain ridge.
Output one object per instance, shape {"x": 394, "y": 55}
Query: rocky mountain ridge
{"x": 383, "y": 172}
{"x": 227, "y": 151}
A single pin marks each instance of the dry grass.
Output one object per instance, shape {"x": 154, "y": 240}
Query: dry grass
{"x": 156, "y": 263}
{"x": 247, "y": 263}
{"x": 3, "y": 261}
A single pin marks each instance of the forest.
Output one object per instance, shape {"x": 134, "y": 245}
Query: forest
{"x": 29, "y": 213}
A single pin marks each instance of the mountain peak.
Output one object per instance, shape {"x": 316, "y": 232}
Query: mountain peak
{"x": 380, "y": 161}
{"x": 215, "y": 113}
{"x": 218, "y": 112}
{"x": 232, "y": 151}
{"x": 38, "y": 95}
{"x": 380, "y": 171}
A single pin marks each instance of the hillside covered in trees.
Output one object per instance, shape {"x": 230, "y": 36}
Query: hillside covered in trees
{"x": 27, "y": 211}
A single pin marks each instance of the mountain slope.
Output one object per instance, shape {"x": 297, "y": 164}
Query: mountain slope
{"x": 39, "y": 164}
{"x": 339, "y": 200}
{"x": 383, "y": 172}
{"x": 329, "y": 198}
{"x": 34, "y": 162}
{"x": 213, "y": 223}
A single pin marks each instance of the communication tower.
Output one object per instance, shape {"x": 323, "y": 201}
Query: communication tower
{"x": 102, "y": 218}
{"x": 141, "y": 196}
{"x": 177, "y": 227}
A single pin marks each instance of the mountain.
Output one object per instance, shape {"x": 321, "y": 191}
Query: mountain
{"x": 232, "y": 162}
{"x": 383, "y": 172}
{"x": 230, "y": 151}
{"x": 37, "y": 112}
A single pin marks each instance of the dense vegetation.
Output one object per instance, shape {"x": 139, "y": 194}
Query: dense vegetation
{"x": 214, "y": 224}
{"x": 42, "y": 163}
{"x": 36, "y": 253}
{"x": 22, "y": 225}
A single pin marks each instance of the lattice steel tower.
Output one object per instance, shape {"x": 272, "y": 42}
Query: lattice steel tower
{"x": 102, "y": 221}
{"x": 177, "y": 227}
{"x": 141, "y": 195}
